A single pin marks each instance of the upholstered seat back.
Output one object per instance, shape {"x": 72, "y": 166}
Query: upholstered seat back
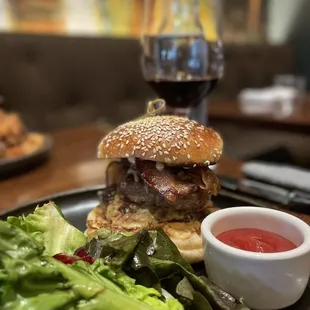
{"x": 57, "y": 82}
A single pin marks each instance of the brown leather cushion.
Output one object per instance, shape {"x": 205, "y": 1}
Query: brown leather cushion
{"x": 65, "y": 81}
{"x": 57, "y": 82}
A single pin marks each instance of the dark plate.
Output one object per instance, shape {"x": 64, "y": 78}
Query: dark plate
{"x": 76, "y": 204}
{"x": 17, "y": 165}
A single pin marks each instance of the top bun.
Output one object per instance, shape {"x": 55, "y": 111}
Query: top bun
{"x": 171, "y": 140}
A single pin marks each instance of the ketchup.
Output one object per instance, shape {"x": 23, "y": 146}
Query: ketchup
{"x": 256, "y": 240}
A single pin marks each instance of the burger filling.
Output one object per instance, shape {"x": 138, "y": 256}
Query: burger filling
{"x": 146, "y": 194}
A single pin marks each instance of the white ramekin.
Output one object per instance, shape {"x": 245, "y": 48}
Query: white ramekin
{"x": 262, "y": 280}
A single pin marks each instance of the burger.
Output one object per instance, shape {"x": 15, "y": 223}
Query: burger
{"x": 159, "y": 176}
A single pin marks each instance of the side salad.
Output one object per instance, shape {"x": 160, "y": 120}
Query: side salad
{"x": 46, "y": 263}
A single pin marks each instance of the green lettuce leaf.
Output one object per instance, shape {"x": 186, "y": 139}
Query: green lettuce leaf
{"x": 80, "y": 286}
{"x": 15, "y": 243}
{"x": 149, "y": 296}
{"x": 57, "y": 300}
{"x": 48, "y": 227}
{"x": 31, "y": 281}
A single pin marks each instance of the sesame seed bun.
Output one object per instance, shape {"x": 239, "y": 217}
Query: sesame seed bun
{"x": 185, "y": 235}
{"x": 169, "y": 139}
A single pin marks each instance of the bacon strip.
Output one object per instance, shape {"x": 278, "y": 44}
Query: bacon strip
{"x": 164, "y": 182}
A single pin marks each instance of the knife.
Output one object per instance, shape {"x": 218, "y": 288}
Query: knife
{"x": 293, "y": 199}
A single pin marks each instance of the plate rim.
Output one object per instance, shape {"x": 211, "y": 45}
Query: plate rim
{"x": 51, "y": 197}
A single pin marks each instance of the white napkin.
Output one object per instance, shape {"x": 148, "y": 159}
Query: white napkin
{"x": 282, "y": 175}
{"x": 276, "y": 99}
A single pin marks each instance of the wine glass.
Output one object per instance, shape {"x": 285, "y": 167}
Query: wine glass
{"x": 179, "y": 61}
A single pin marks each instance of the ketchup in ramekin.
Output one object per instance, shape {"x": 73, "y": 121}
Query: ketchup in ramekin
{"x": 256, "y": 240}
{"x": 266, "y": 280}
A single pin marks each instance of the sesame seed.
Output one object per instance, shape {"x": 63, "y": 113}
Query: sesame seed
{"x": 126, "y": 155}
{"x": 188, "y": 156}
{"x": 159, "y": 134}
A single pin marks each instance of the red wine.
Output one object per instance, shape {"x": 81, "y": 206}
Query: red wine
{"x": 183, "y": 94}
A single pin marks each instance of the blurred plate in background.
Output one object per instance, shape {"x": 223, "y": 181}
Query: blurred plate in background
{"x": 21, "y": 164}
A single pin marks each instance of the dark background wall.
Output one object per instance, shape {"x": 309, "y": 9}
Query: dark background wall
{"x": 299, "y": 38}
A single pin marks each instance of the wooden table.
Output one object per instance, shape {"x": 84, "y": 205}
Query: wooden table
{"x": 73, "y": 164}
{"x": 230, "y": 111}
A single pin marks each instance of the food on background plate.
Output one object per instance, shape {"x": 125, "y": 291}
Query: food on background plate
{"x": 159, "y": 177}
{"x": 46, "y": 263}
{"x": 15, "y": 141}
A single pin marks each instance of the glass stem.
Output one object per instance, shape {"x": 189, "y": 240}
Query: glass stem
{"x": 200, "y": 113}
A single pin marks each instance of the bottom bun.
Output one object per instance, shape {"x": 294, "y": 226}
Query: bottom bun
{"x": 185, "y": 235}
{"x": 187, "y": 238}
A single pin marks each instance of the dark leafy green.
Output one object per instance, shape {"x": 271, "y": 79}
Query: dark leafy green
{"x": 154, "y": 261}
{"x": 113, "y": 247}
